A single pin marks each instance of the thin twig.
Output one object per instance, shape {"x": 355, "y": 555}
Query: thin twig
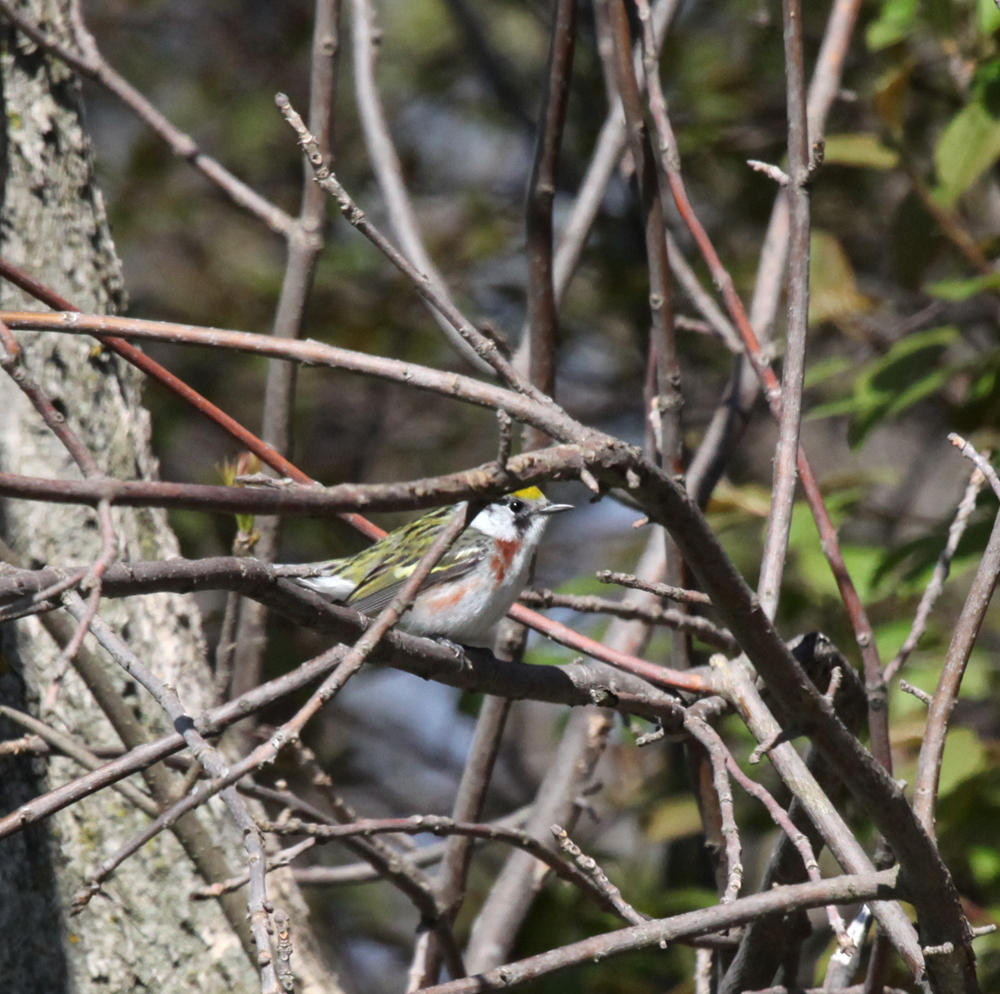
{"x": 468, "y": 806}
{"x": 425, "y": 287}
{"x": 356, "y": 873}
{"x": 920, "y": 695}
{"x": 304, "y": 242}
{"x": 715, "y": 320}
{"x": 950, "y": 682}
{"x": 607, "y": 155}
{"x": 837, "y": 835}
{"x": 386, "y": 860}
{"x": 717, "y": 753}
{"x": 793, "y": 369}
{"x": 702, "y": 628}
{"x": 439, "y": 825}
{"x": 659, "y": 589}
{"x": 663, "y": 340}
{"x": 592, "y": 868}
{"x": 942, "y": 567}
{"x": 60, "y": 742}
{"x": 89, "y": 62}
{"x": 779, "y": 815}
{"x": 526, "y": 405}
{"x": 389, "y": 173}
{"x": 840, "y": 890}
{"x": 209, "y": 758}
{"x": 542, "y": 325}
{"x": 274, "y": 862}
{"x": 305, "y": 237}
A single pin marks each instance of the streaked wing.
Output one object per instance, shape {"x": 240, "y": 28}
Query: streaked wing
{"x": 382, "y": 584}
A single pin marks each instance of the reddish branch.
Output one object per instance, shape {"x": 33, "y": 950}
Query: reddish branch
{"x": 840, "y": 29}
{"x": 663, "y": 345}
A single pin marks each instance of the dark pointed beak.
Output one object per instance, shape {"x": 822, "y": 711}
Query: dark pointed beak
{"x": 556, "y": 508}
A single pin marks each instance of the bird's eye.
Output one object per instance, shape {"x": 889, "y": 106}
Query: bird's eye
{"x": 517, "y": 506}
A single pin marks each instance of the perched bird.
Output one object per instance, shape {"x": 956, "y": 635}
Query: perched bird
{"x": 472, "y": 586}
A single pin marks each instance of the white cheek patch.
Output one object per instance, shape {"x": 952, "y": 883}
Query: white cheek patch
{"x": 497, "y": 522}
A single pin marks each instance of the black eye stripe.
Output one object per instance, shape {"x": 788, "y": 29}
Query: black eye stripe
{"x": 517, "y": 506}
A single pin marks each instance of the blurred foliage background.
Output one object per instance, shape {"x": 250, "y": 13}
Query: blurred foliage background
{"x": 904, "y": 348}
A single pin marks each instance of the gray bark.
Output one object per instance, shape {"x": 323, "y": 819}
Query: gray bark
{"x": 143, "y": 931}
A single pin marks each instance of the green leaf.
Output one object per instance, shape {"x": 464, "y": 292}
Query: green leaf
{"x": 984, "y": 862}
{"x": 907, "y": 373}
{"x": 987, "y": 16}
{"x": 826, "y": 369}
{"x": 963, "y": 289}
{"x": 859, "y": 150}
{"x": 917, "y": 391}
{"x": 968, "y": 146}
{"x": 893, "y": 24}
{"x": 964, "y": 756}
{"x": 833, "y": 409}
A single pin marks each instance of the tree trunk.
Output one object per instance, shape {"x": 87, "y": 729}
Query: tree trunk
{"x": 143, "y": 930}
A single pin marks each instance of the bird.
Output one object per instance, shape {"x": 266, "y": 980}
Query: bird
{"x": 472, "y": 586}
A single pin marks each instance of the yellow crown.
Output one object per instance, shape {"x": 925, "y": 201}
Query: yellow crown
{"x": 530, "y": 493}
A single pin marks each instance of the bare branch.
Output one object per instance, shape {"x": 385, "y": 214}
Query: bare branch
{"x": 717, "y": 753}
{"x": 659, "y": 589}
{"x": 389, "y": 173}
{"x": 542, "y": 324}
{"x": 942, "y": 567}
{"x": 785, "y": 469}
{"x": 839, "y": 890}
{"x": 950, "y": 682}
{"x": 438, "y": 825}
{"x": 590, "y": 866}
{"x": 425, "y": 286}
{"x": 525, "y": 406}
{"x": 167, "y": 379}
{"x": 90, "y": 63}
{"x": 702, "y": 628}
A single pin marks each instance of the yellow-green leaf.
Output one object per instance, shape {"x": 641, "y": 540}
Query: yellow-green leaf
{"x": 893, "y": 24}
{"x": 966, "y": 149}
{"x": 859, "y": 150}
{"x": 833, "y": 293}
{"x": 675, "y": 818}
